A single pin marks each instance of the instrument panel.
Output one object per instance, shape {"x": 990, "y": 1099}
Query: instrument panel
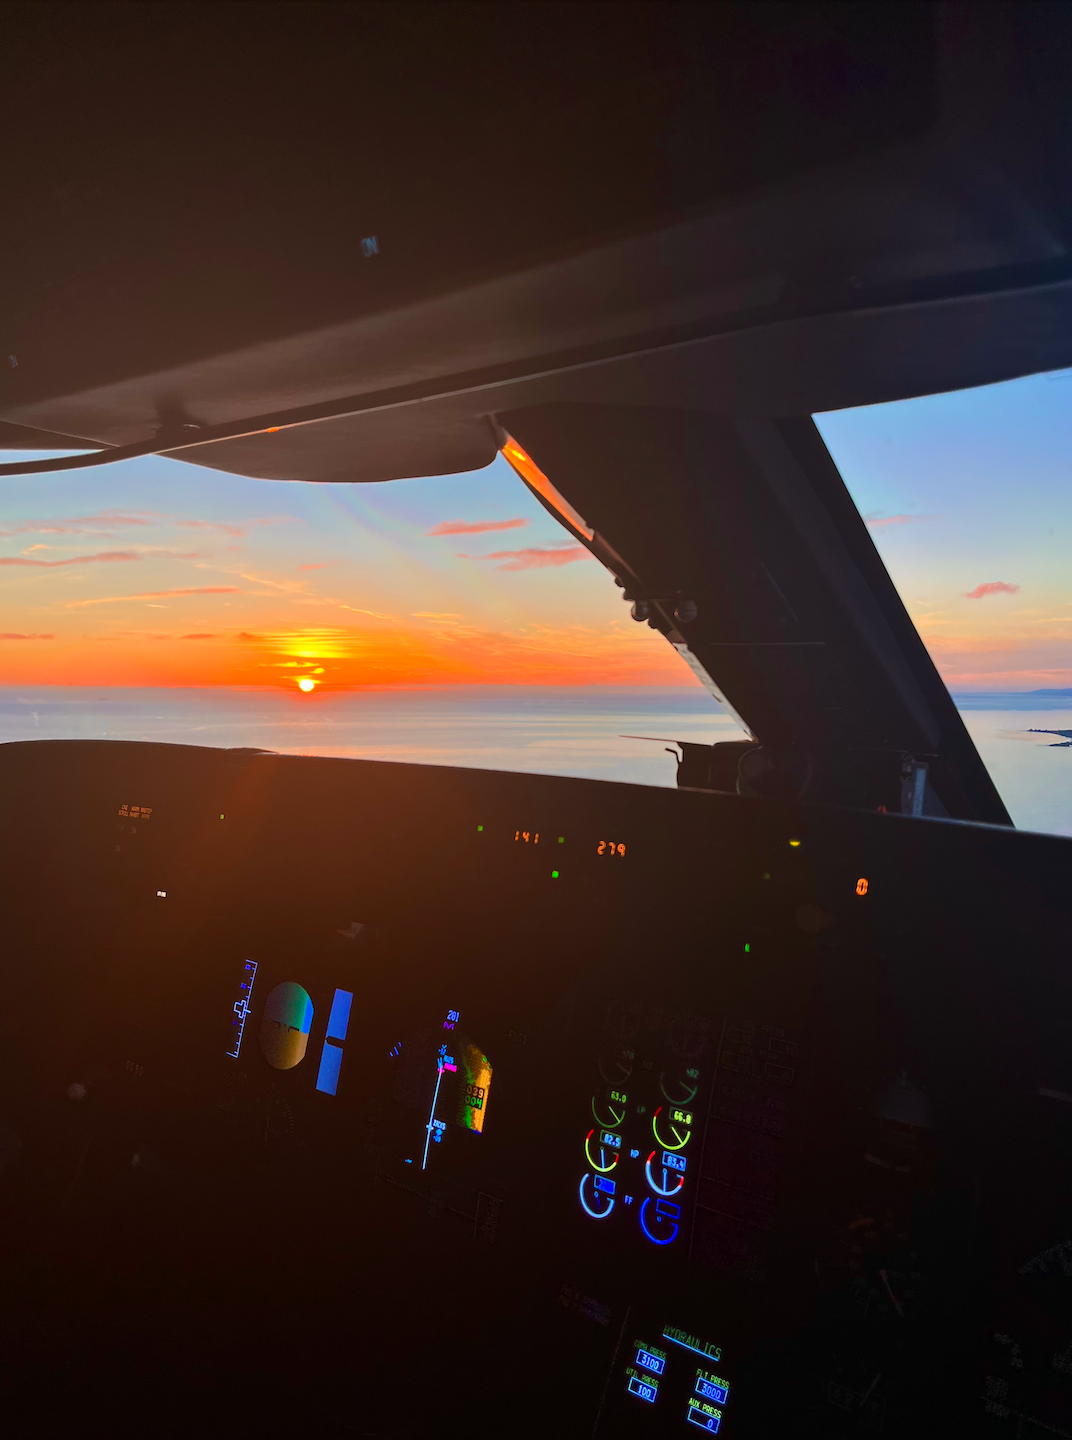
{"x": 370, "y": 1099}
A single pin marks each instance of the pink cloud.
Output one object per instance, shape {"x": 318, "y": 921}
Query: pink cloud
{"x": 992, "y": 587}
{"x": 104, "y": 521}
{"x": 875, "y": 521}
{"x": 161, "y": 550}
{"x": 534, "y": 558}
{"x": 10, "y": 635}
{"x": 312, "y": 567}
{"x": 217, "y": 525}
{"x": 99, "y": 524}
{"x": 105, "y": 555}
{"x": 475, "y": 527}
{"x": 157, "y": 595}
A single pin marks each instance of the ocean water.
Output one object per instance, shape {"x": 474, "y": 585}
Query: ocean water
{"x": 1032, "y": 770}
{"x": 556, "y": 730}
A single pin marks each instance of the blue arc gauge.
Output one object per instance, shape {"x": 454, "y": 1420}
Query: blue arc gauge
{"x": 659, "y": 1221}
{"x": 597, "y": 1196}
{"x": 672, "y": 1181}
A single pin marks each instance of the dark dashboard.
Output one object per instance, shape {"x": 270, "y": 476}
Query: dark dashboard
{"x": 340, "y": 1097}
{"x": 347, "y": 1098}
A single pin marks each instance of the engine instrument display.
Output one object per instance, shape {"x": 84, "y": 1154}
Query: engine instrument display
{"x": 654, "y": 1054}
{"x": 704, "y": 1158}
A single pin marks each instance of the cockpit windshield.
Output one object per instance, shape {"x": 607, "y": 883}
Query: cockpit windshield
{"x": 966, "y": 496}
{"x": 445, "y": 620}
{"x": 452, "y": 620}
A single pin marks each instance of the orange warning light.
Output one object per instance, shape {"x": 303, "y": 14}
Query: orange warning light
{"x": 861, "y": 886}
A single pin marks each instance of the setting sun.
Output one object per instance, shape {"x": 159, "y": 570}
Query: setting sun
{"x": 306, "y": 684}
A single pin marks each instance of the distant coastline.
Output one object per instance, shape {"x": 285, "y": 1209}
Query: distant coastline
{"x": 1012, "y": 699}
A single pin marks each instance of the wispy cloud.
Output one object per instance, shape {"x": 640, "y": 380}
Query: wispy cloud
{"x": 875, "y": 520}
{"x": 535, "y": 557}
{"x": 234, "y": 528}
{"x": 220, "y": 527}
{"x": 106, "y": 556}
{"x": 435, "y": 615}
{"x": 160, "y": 552}
{"x": 376, "y": 614}
{"x": 475, "y": 527}
{"x": 296, "y": 588}
{"x": 320, "y": 566}
{"x": 102, "y": 523}
{"x": 11, "y": 635}
{"x": 197, "y": 637}
{"x": 992, "y": 587}
{"x": 157, "y": 595}
{"x": 106, "y": 522}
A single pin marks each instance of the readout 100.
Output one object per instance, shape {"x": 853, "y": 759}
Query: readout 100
{"x": 610, "y": 848}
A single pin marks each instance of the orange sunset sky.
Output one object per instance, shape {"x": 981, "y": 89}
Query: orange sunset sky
{"x": 159, "y": 573}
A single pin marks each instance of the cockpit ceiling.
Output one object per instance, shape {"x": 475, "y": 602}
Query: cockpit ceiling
{"x": 377, "y": 226}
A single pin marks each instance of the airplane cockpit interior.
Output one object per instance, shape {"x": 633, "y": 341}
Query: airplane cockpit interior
{"x": 400, "y": 1100}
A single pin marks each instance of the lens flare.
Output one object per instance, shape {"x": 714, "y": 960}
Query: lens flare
{"x": 306, "y": 684}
